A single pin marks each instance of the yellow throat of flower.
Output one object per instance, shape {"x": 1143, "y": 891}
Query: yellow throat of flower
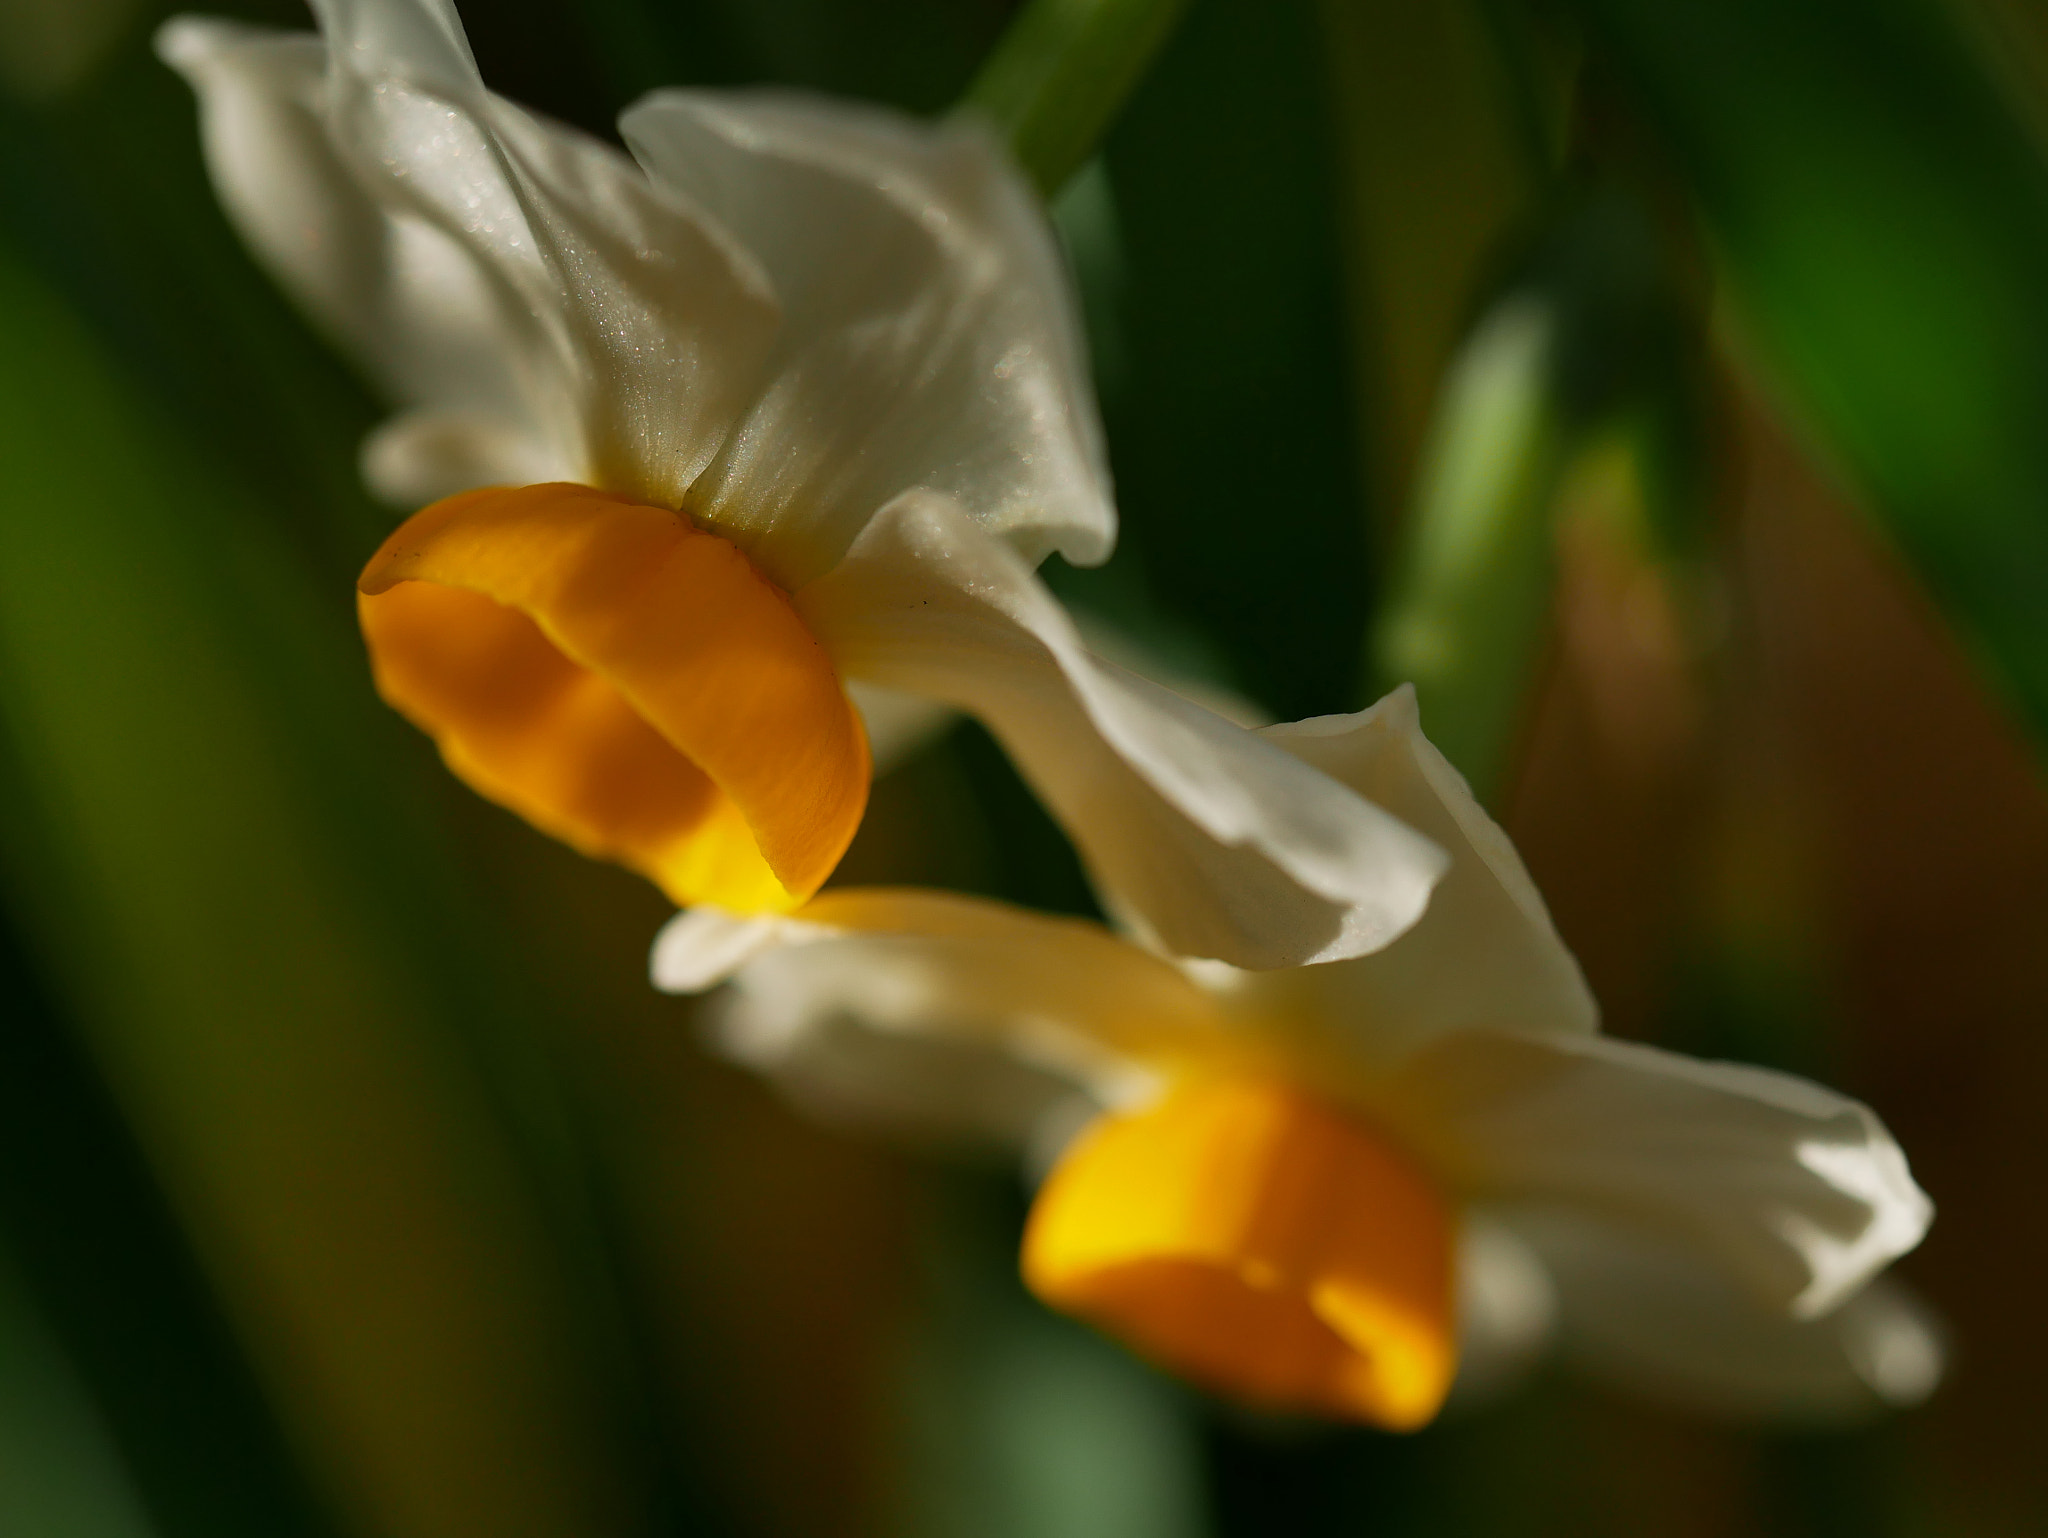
{"x": 624, "y": 681}
{"x": 1257, "y": 1241}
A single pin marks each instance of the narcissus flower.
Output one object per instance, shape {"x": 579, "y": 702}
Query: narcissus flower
{"x": 1290, "y": 1185}
{"x": 791, "y": 399}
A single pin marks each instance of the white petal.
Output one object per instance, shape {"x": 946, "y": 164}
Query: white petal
{"x": 1484, "y": 955}
{"x": 940, "y": 963}
{"x": 426, "y": 455}
{"x": 1646, "y": 1317}
{"x": 1798, "y": 1193}
{"x": 701, "y": 947}
{"x": 928, "y": 1011}
{"x": 1221, "y": 844}
{"x": 791, "y": 1023}
{"x": 413, "y": 307}
{"x": 845, "y": 1071}
{"x": 931, "y": 336}
{"x": 1507, "y": 1311}
{"x": 628, "y": 329}
{"x": 1118, "y": 646}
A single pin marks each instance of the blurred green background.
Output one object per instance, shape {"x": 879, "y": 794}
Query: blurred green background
{"x": 1662, "y": 384}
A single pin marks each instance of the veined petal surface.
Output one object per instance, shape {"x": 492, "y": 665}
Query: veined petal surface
{"x": 505, "y": 275}
{"x": 1485, "y": 954}
{"x": 806, "y": 309}
{"x": 1215, "y": 840}
{"x": 1795, "y": 1193}
{"x": 645, "y": 329}
{"x": 930, "y": 338}
{"x": 407, "y": 300}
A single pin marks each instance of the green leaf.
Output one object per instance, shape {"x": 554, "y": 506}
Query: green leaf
{"x": 203, "y": 842}
{"x": 109, "y": 1283}
{"x": 1884, "y": 221}
{"x": 60, "y": 1476}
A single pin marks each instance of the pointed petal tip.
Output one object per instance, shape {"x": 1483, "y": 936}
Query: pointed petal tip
{"x": 187, "y": 42}
{"x": 1869, "y": 1167}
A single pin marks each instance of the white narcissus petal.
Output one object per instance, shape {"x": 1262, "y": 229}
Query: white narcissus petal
{"x": 1798, "y": 1194}
{"x": 1647, "y": 1317}
{"x": 843, "y": 1069}
{"x": 646, "y": 327}
{"x": 405, "y": 299}
{"x": 1063, "y": 994}
{"x": 1221, "y": 844}
{"x": 701, "y": 947}
{"x": 931, "y": 338}
{"x": 933, "y": 1014}
{"x": 1485, "y": 953}
{"x": 792, "y": 1022}
{"x": 486, "y": 266}
{"x": 422, "y": 456}
{"x": 1138, "y": 654}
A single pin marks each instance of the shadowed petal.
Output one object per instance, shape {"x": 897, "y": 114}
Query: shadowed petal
{"x": 1649, "y": 1318}
{"x": 1797, "y": 1194}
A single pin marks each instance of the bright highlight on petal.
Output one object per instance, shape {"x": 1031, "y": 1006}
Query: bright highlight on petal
{"x": 625, "y": 682}
{"x": 1253, "y": 1239}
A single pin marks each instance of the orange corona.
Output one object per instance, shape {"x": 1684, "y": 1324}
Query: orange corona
{"x": 624, "y": 681}
{"x": 1260, "y": 1242}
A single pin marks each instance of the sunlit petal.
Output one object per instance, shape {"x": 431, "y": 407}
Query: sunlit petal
{"x": 408, "y": 300}
{"x": 1218, "y": 842}
{"x": 930, "y": 338}
{"x": 1484, "y": 954}
{"x": 1507, "y": 1310}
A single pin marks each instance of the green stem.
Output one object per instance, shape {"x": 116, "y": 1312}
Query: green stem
{"x": 1060, "y": 75}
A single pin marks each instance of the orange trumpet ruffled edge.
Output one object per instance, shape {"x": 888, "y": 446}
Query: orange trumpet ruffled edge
{"x": 626, "y": 682}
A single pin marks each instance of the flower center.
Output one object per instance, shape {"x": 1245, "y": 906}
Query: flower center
{"x": 1258, "y": 1241}
{"x": 624, "y": 681}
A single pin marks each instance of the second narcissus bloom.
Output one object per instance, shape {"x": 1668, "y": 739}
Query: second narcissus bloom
{"x": 789, "y": 399}
{"x": 1309, "y": 1187}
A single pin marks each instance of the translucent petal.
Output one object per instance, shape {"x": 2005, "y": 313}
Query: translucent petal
{"x": 409, "y": 302}
{"x": 931, "y": 339}
{"x": 1218, "y": 842}
{"x": 1485, "y": 954}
